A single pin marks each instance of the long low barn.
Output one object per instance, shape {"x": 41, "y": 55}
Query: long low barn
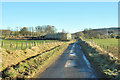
{"x": 59, "y": 36}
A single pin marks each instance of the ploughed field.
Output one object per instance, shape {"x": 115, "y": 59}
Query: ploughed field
{"x": 110, "y": 45}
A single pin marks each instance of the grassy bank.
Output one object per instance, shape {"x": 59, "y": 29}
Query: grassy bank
{"x": 107, "y": 65}
{"x": 110, "y": 45}
{"x": 30, "y": 67}
{"x": 10, "y": 57}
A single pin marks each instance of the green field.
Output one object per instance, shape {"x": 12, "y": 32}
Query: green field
{"x": 106, "y": 42}
{"x": 110, "y": 45}
{"x": 22, "y": 44}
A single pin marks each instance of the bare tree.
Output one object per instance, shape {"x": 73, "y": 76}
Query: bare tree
{"x": 10, "y": 31}
{"x": 24, "y": 31}
{"x": 63, "y": 31}
{"x": 46, "y": 29}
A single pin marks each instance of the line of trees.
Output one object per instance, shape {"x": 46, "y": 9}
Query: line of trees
{"x": 29, "y": 31}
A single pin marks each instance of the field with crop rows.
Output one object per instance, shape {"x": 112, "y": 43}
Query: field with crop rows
{"x": 110, "y": 45}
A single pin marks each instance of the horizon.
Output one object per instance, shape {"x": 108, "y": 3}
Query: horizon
{"x": 70, "y": 16}
{"x": 71, "y": 33}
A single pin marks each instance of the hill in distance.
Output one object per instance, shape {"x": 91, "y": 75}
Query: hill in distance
{"x": 104, "y": 31}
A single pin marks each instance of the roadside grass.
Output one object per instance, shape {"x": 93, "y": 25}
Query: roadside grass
{"x": 29, "y": 68}
{"x": 11, "y": 57}
{"x": 110, "y": 45}
{"x": 106, "y": 64}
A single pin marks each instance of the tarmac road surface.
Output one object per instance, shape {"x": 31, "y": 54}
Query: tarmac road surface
{"x": 71, "y": 64}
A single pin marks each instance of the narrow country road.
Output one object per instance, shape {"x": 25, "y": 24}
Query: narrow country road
{"x": 71, "y": 64}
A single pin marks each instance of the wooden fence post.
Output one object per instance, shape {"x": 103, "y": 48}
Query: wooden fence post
{"x": 21, "y": 45}
{"x": 29, "y": 44}
{"x": 34, "y": 43}
{"x": 26, "y": 44}
{"x": 107, "y": 49}
{"x": 38, "y": 43}
{"x": 2, "y": 44}
{"x": 100, "y": 45}
{"x": 16, "y": 45}
{"x": 10, "y": 45}
{"x": 118, "y": 52}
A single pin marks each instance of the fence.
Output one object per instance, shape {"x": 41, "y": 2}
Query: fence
{"x": 110, "y": 49}
{"x": 23, "y": 45}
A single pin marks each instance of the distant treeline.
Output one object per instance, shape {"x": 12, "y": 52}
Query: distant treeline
{"x": 28, "y": 31}
{"x": 99, "y": 34}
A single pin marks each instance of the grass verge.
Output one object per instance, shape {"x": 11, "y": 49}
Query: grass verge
{"x": 29, "y": 68}
{"x": 10, "y": 57}
{"x": 109, "y": 45}
{"x": 108, "y": 66}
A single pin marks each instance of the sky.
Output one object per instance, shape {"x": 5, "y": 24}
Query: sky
{"x": 70, "y": 16}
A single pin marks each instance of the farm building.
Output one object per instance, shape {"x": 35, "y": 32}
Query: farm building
{"x": 59, "y": 36}
{"x": 5, "y": 32}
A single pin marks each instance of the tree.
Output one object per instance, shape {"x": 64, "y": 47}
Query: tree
{"x": 32, "y": 31}
{"x": 118, "y": 37}
{"x": 111, "y": 32}
{"x": 54, "y": 29}
{"x": 46, "y": 29}
{"x": 98, "y": 36}
{"x": 89, "y": 33}
{"x": 63, "y": 31}
{"x": 10, "y": 31}
{"x": 113, "y": 35}
{"x": 40, "y": 30}
{"x": 24, "y": 31}
{"x": 85, "y": 30}
{"x": 80, "y": 34}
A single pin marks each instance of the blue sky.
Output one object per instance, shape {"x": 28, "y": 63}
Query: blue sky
{"x": 71, "y": 16}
